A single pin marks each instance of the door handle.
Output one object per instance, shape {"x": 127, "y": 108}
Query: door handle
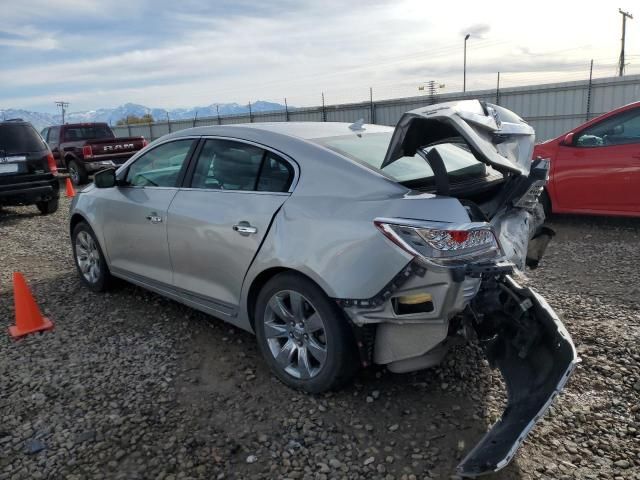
{"x": 245, "y": 228}
{"x": 154, "y": 218}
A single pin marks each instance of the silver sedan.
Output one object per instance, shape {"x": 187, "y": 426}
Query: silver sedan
{"x": 345, "y": 245}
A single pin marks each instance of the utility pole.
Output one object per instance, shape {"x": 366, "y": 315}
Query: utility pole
{"x": 464, "y": 65}
{"x": 625, "y": 15}
{"x": 63, "y": 107}
{"x": 286, "y": 109}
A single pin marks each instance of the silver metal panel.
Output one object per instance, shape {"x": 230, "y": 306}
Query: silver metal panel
{"x": 552, "y": 108}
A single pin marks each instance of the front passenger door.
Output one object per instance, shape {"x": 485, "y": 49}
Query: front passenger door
{"x": 600, "y": 172}
{"x": 135, "y": 213}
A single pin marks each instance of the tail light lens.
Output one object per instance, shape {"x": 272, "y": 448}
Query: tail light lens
{"x": 87, "y": 152}
{"x": 144, "y": 142}
{"x": 442, "y": 243}
{"x": 51, "y": 163}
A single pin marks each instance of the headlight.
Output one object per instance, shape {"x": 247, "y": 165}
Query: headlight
{"x": 442, "y": 243}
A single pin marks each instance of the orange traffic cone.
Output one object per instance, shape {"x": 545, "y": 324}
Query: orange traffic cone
{"x": 29, "y": 319}
{"x": 71, "y": 192}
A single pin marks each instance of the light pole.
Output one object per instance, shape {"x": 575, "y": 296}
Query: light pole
{"x": 464, "y": 66}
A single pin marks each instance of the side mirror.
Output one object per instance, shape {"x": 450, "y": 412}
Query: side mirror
{"x": 567, "y": 141}
{"x": 105, "y": 178}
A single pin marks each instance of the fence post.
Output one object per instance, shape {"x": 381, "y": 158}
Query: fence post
{"x": 498, "y": 90}
{"x": 195, "y": 119}
{"x": 218, "y": 114}
{"x": 128, "y": 127}
{"x": 324, "y": 111}
{"x": 589, "y": 91}
{"x": 372, "y": 107}
{"x": 150, "y": 131}
{"x": 250, "y": 115}
{"x": 286, "y": 109}
{"x": 168, "y": 122}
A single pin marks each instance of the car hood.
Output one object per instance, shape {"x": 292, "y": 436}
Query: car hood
{"x": 497, "y": 136}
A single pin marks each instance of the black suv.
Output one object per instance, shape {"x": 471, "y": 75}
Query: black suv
{"x": 27, "y": 168}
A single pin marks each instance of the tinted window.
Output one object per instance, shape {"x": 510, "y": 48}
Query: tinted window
{"x": 227, "y": 165}
{"x": 620, "y": 129}
{"x": 370, "y": 149}
{"x": 276, "y": 174}
{"x": 54, "y": 135}
{"x": 161, "y": 166}
{"x": 20, "y": 138}
{"x": 89, "y": 132}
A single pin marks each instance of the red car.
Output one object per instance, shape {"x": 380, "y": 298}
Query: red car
{"x": 595, "y": 168}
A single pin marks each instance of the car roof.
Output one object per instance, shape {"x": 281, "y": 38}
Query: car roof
{"x": 302, "y": 130}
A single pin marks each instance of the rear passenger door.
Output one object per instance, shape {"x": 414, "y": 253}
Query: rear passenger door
{"x": 218, "y": 220}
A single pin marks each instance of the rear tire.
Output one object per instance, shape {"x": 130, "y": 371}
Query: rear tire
{"x": 48, "y": 207}
{"x": 89, "y": 259}
{"x": 77, "y": 173}
{"x": 303, "y": 335}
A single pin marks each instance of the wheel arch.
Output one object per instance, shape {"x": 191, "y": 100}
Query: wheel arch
{"x": 261, "y": 280}
{"x": 75, "y": 219}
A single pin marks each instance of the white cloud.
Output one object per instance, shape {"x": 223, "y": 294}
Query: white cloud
{"x": 337, "y": 47}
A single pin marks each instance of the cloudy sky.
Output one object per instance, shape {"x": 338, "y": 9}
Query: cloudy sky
{"x": 183, "y": 53}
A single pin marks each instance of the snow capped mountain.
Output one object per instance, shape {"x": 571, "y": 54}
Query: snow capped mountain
{"x": 112, "y": 115}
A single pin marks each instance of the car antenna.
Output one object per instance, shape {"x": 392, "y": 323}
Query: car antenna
{"x": 357, "y": 125}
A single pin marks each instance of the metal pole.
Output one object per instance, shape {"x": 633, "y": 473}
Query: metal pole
{"x": 589, "y": 91}
{"x": 195, "y": 119}
{"x": 464, "y": 66}
{"x": 625, "y": 15}
{"x": 498, "y": 90}
{"x": 372, "y": 107}
{"x": 286, "y": 109}
{"x": 128, "y": 126}
{"x": 168, "y": 122}
{"x": 218, "y": 114}
{"x": 324, "y": 112}
{"x": 250, "y": 116}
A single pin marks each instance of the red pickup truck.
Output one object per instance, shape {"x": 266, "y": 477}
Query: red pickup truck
{"x": 84, "y": 148}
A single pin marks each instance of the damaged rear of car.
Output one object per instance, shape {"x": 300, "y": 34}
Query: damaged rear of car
{"x": 461, "y": 277}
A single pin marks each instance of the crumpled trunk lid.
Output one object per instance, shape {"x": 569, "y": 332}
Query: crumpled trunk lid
{"x": 497, "y": 136}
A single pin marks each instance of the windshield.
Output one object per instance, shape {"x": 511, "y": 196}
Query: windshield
{"x": 370, "y": 149}
{"x": 91, "y": 132}
{"x": 19, "y": 138}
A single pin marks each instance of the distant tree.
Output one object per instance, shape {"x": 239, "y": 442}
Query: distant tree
{"x": 133, "y": 119}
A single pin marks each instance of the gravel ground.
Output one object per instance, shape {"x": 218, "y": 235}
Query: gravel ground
{"x": 131, "y": 385}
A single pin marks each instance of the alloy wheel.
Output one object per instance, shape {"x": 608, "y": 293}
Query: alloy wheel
{"x": 88, "y": 256}
{"x": 295, "y": 334}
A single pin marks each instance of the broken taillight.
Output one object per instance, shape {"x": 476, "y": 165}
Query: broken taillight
{"x": 442, "y": 243}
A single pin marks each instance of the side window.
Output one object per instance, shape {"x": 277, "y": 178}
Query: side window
{"x": 44, "y": 133}
{"x": 276, "y": 174}
{"x": 52, "y": 137}
{"x": 620, "y": 129}
{"x": 161, "y": 166}
{"x": 227, "y": 165}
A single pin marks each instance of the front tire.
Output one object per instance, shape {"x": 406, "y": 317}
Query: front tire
{"x": 89, "y": 259}
{"x": 303, "y": 336}
{"x": 77, "y": 173}
{"x": 48, "y": 207}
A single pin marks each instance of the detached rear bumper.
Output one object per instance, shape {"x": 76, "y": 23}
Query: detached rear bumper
{"x": 535, "y": 354}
